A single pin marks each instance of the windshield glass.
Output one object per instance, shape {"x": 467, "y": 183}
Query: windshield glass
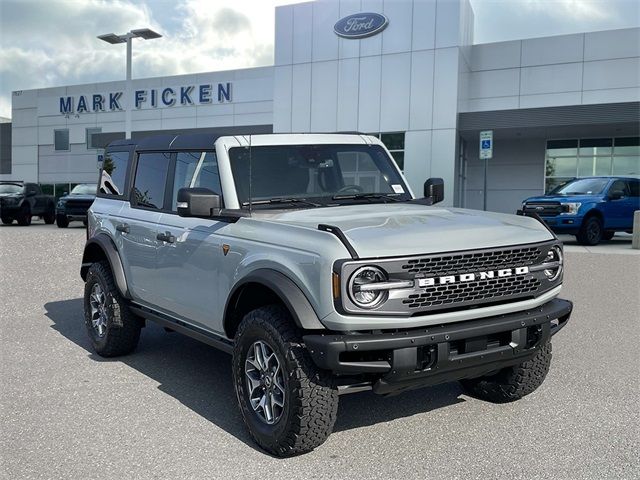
{"x": 85, "y": 189}
{"x": 10, "y": 188}
{"x": 323, "y": 173}
{"x": 583, "y": 186}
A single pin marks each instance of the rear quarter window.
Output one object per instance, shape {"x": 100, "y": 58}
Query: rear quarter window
{"x": 114, "y": 173}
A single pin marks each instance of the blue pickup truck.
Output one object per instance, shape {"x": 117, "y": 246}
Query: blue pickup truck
{"x": 591, "y": 208}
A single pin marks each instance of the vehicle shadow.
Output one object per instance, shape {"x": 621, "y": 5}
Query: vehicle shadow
{"x": 199, "y": 376}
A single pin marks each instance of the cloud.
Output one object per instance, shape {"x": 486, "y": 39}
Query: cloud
{"x": 53, "y": 43}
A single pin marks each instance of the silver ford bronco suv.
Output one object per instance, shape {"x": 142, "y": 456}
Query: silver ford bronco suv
{"x": 310, "y": 260}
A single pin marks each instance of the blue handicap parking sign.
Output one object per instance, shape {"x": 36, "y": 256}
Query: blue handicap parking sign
{"x": 486, "y": 144}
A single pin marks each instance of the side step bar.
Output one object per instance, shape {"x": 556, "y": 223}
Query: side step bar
{"x": 182, "y": 327}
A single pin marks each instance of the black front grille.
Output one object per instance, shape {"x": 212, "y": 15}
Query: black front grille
{"x": 475, "y": 291}
{"x": 544, "y": 209}
{"x": 472, "y": 262}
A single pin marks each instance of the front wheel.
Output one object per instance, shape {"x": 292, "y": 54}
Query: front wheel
{"x": 113, "y": 329}
{"x": 512, "y": 383}
{"x": 288, "y": 404}
{"x": 591, "y": 231}
{"x": 62, "y": 221}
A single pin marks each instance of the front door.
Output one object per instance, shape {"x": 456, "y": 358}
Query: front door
{"x": 190, "y": 254}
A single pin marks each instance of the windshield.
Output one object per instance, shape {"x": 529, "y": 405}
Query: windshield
{"x": 582, "y": 186}
{"x": 85, "y": 189}
{"x": 324, "y": 173}
{"x": 10, "y": 188}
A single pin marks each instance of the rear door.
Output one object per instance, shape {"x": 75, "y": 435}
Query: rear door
{"x": 136, "y": 224}
{"x": 619, "y": 212}
{"x": 190, "y": 256}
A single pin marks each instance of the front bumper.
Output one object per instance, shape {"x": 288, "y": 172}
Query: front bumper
{"x": 564, "y": 223}
{"x": 414, "y": 358}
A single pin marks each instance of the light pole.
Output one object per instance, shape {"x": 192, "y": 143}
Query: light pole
{"x": 112, "y": 38}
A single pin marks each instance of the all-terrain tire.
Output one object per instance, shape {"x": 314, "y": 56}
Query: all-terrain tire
{"x": 24, "y": 217}
{"x": 7, "y": 220}
{"x": 591, "y": 231}
{"x": 122, "y": 326}
{"x": 512, "y": 383}
{"x": 311, "y": 398}
{"x": 62, "y": 221}
{"x": 50, "y": 215}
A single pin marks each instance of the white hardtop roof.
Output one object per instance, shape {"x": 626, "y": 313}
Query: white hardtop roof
{"x": 298, "y": 139}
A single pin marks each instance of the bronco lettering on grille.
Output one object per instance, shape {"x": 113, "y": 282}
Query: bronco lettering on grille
{"x": 470, "y": 277}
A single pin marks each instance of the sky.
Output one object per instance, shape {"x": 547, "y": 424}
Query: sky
{"x": 46, "y": 43}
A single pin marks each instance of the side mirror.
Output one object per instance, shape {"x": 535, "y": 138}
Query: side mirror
{"x": 616, "y": 194}
{"x": 434, "y": 189}
{"x": 198, "y": 202}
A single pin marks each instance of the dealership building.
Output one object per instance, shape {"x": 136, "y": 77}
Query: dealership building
{"x": 408, "y": 71}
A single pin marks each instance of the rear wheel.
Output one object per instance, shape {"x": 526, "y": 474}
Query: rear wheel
{"x": 512, "y": 383}
{"x": 113, "y": 329}
{"x": 288, "y": 404}
{"x": 591, "y": 231}
{"x": 62, "y": 221}
{"x": 24, "y": 217}
{"x": 7, "y": 220}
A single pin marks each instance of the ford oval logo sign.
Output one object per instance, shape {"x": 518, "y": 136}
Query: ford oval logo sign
{"x": 360, "y": 25}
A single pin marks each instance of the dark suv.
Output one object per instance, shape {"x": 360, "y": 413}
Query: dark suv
{"x": 20, "y": 201}
{"x": 75, "y": 205}
{"x": 592, "y": 208}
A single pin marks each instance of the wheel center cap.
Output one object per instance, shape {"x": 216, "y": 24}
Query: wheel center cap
{"x": 267, "y": 380}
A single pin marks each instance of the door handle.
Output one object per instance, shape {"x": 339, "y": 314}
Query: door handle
{"x": 166, "y": 237}
{"x": 123, "y": 227}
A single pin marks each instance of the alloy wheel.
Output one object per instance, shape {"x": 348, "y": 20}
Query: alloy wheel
{"x": 265, "y": 382}
{"x": 98, "y": 304}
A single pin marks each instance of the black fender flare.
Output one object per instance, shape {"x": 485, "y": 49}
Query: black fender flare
{"x": 104, "y": 243}
{"x": 287, "y": 291}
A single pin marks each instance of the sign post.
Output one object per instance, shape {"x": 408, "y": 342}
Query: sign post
{"x": 486, "y": 152}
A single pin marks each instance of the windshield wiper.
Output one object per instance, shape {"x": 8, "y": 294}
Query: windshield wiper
{"x": 366, "y": 196}
{"x": 274, "y": 201}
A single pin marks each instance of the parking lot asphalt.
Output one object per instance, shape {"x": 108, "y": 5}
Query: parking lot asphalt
{"x": 169, "y": 410}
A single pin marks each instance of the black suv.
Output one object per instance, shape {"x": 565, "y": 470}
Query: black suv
{"x": 75, "y": 205}
{"x": 21, "y": 200}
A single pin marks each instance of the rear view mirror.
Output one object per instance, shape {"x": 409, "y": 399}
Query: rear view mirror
{"x": 198, "y": 202}
{"x": 434, "y": 189}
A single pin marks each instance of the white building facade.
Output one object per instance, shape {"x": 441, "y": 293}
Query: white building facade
{"x": 559, "y": 107}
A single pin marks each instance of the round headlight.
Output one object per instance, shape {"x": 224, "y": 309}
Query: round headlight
{"x": 365, "y": 298}
{"x": 554, "y": 255}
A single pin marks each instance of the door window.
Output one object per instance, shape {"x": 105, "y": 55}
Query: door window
{"x": 620, "y": 186}
{"x": 195, "y": 169}
{"x": 114, "y": 173}
{"x": 150, "y": 180}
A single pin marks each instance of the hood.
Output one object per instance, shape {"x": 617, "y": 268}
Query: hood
{"x": 565, "y": 198}
{"x": 78, "y": 197}
{"x": 384, "y": 230}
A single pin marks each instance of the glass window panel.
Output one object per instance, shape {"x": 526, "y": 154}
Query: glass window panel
{"x": 393, "y": 141}
{"x": 585, "y": 166}
{"x": 562, "y": 152}
{"x": 150, "y": 180}
{"x": 626, "y": 165}
{"x": 114, "y": 173}
{"x": 47, "y": 188}
{"x": 89, "y": 136}
{"x": 630, "y": 150}
{"x": 399, "y": 158}
{"x": 553, "y": 144}
{"x": 196, "y": 169}
{"x": 627, "y": 142}
{"x": 592, "y": 151}
{"x": 551, "y": 183}
{"x": 61, "y": 139}
{"x": 603, "y": 166}
{"x": 634, "y": 188}
{"x": 596, "y": 142}
{"x": 61, "y": 189}
{"x": 561, "y": 166}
